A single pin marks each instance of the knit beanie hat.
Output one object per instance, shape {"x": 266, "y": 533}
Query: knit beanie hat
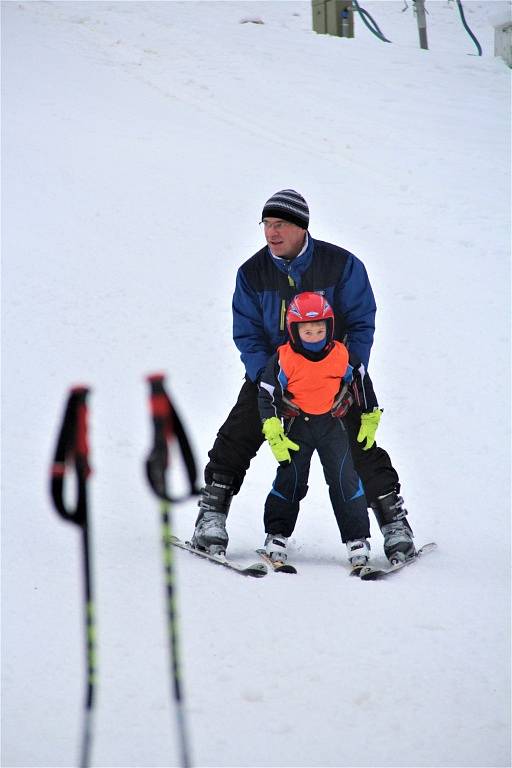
{"x": 288, "y": 205}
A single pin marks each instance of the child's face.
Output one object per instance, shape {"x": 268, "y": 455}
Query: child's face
{"x": 313, "y": 332}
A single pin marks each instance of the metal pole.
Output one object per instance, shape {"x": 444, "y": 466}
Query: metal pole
{"x": 166, "y": 427}
{"x": 90, "y": 625}
{"x": 172, "y": 628}
{"x": 422, "y": 23}
{"x": 72, "y": 453}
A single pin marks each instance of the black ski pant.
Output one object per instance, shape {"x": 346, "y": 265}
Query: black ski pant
{"x": 240, "y": 437}
{"x": 329, "y": 438}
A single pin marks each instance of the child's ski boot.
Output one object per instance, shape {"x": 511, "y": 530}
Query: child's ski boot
{"x": 275, "y": 547}
{"x": 358, "y": 552}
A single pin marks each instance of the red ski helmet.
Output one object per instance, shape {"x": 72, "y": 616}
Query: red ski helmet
{"x": 309, "y": 307}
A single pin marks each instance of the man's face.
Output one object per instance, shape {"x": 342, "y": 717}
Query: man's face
{"x": 284, "y": 238}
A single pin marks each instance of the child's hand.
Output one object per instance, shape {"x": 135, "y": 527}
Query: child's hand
{"x": 342, "y": 402}
{"x": 369, "y": 424}
{"x": 280, "y": 445}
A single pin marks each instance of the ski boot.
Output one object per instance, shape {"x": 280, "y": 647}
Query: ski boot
{"x": 275, "y": 547}
{"x": 358, "y": 552}
{"x": 398, "y": 536}
{"x": 210, "y": 532}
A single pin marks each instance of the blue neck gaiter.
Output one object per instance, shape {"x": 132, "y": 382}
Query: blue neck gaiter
{"x": 314, "y": 346}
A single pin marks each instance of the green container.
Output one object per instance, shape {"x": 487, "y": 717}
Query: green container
{"x": 319, "y": 20}
{"x": 333, "y": 17}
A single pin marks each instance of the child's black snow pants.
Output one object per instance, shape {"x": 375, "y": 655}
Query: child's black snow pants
{"x": 240, "y": 438}
{"x": 329, "y": 438}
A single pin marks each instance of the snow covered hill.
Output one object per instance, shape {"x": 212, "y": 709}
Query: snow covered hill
{"x": 140, "y": 141}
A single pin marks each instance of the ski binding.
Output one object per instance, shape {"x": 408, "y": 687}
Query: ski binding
{"x": 277, "y": 565}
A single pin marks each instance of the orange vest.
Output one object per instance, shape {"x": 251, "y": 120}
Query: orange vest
{"x": 314, "y": 384}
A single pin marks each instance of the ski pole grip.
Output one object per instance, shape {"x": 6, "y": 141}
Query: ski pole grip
{"x": 72, "y": 453}
{"x": 161, "y": 415}
{"x": 159, "y": 402}
{"x": 167, "y": 425}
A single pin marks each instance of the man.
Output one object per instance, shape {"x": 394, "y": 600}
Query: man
{"x": 290, "y": 263}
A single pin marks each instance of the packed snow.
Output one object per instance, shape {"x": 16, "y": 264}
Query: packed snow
{"x": 140, "y": 141}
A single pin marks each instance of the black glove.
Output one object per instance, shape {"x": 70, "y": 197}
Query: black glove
{"x": 343, "y": 401}
{"x": 287, "y": 409}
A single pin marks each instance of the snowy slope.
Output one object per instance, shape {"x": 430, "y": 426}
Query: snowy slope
{"x": 140, "y": 141}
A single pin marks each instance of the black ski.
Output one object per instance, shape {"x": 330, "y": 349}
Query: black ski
{"x": 256, "y": 569}
{"x": 369, "y": 573}
{"x": 277, "y": 565}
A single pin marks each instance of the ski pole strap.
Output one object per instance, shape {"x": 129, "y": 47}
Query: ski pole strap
{"x": 72, "y": 453}
{"x": 167, "y": 425}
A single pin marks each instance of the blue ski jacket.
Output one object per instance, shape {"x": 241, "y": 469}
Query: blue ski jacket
{"x": 266, "y": 284}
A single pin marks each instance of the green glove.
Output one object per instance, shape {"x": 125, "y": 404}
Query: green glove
{"x": 369, "y": 424}
{"x": 279, "y": 443}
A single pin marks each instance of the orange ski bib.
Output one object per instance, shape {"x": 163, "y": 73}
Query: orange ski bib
{"x": 314, "y": 384}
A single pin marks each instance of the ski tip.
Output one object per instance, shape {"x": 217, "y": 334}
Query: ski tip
{"x": 370, "y": 574}
{"x": 285, "y": 568}
{"x": 257, "y": 570}
{"x": 280, "y": 567}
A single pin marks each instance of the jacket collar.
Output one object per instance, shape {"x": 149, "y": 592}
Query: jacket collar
{"x": 296, "y": 267}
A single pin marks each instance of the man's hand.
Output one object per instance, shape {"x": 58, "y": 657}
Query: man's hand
{"x": 369, "y": 424}
{"x": 279, "y": 443}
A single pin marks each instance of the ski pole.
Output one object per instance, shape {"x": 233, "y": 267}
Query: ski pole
{"x": 166, "y": 426}
{"x": 72, "y": 453}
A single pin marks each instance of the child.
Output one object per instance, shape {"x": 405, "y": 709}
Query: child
{"x": 302, "y": 382}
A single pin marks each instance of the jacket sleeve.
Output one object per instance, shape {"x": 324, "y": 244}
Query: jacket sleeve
{"x": 355, "y": 300}
{"x": 248, "y": 330}
{"x": 270, "y": 390}
{"x": 362, "y": 388}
